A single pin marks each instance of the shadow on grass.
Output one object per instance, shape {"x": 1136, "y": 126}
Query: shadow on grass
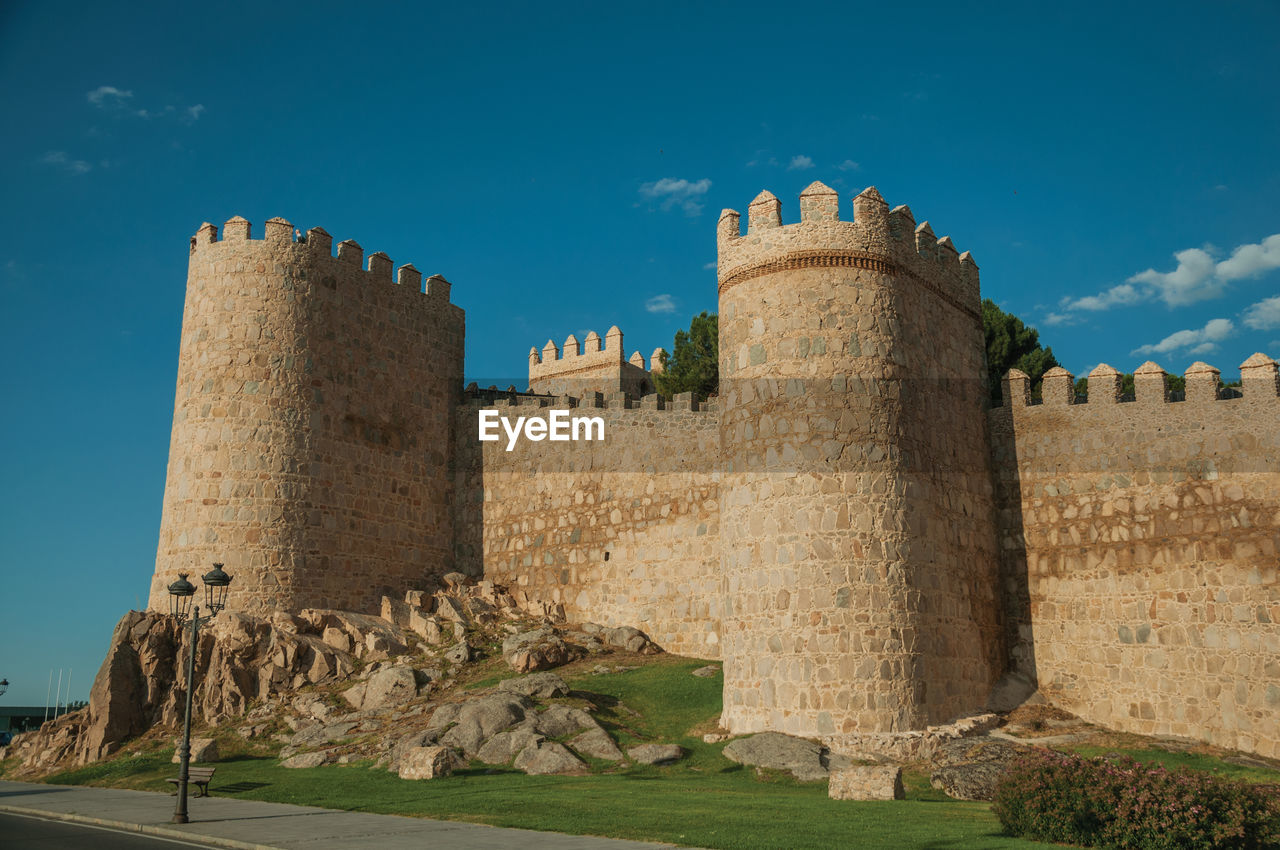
{"x": 489, "y": 771}
{"x": 598, "y": 700}
{"x": 240, "y": 787}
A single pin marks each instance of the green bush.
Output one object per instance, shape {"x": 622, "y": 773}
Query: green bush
{"x": 1118, "y": 803}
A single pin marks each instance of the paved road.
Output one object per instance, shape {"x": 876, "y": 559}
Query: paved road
{"x": 25, "y": 832}
{"x": 249, "y": 825}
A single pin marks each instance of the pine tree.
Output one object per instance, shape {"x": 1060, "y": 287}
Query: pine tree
{"x": 693, "y": 364}
{"x": 1013, "y": 345}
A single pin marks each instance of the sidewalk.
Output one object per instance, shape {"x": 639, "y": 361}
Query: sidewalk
{"x": 250, "y": 825}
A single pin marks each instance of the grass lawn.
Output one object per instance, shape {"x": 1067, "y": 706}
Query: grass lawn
{"x": 703, "y": 801}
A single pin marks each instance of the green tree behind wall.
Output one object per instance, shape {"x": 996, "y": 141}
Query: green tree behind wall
{"x": 693, "y": 364}
{"x": 1013, "y": 345}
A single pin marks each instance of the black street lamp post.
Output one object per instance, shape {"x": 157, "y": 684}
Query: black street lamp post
{"x": 181, "y": 595}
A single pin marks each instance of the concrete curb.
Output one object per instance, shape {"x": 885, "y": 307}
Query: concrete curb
{"x": 146, "y": 829}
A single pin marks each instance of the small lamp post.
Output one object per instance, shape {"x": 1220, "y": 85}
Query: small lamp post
{"x": 181, "y": 596}
{"x": 4, "y": 687}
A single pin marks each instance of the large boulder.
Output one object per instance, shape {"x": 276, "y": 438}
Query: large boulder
{"x": 867, "y": 782}
{"x": 536, "y": 686}
{"x": 656, "y": 753}
{"x": 428, "y": 762}
{"x": 539, "y": 649}
{"x": 548, "y": 757}
{"x": 121, "y": 705}
{"x": 460, "y": 653}
{"x": 304, "y": 760}
{"x": 558, "y": 721}
{"x": 414, "y": 740}
{"x": 202, "y": 750}
{"x": 598, "y": 744}
{"x": 321, "y": 733}
{"x": 805, "y": 759}
{"x": 483, "y": 717}
{"x": 623, "y": 637}
{"x": 389, "y": 686}
{"x": 969, "y": 768}
{"x": 504, "y": 746}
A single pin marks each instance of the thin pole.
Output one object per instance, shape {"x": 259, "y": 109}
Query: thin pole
{"x": 70, "y": 670}
{"x": 58, "y": 698}
{"x": 184, "y": 768}
{"x": 48, "y": 692}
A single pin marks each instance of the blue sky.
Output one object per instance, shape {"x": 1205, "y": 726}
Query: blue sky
{"x": 1113, "y": 168}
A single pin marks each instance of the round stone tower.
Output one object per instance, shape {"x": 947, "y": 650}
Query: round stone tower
{"x": 857, "y": 528}
{"x": 311, "y": 423}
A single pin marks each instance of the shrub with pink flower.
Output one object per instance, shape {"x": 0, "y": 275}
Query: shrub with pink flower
{"x": 1119, "y": 803}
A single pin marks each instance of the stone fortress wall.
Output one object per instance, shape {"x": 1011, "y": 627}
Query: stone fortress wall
{"x": 311, "y": 428}
{"x": 863, "y": 543}
{"x": 857, "y": 533}
{"x": 619, "y": 532}
{"x": 1140, "y": 544}
{"x": 588, "y": 367}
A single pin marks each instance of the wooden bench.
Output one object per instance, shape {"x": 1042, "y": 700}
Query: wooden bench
{"x": 197, "y": 776}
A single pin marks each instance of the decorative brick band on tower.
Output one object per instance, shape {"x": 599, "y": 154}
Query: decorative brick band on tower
{"x": 857, "y": 525}
{"x": 312, "y": 423}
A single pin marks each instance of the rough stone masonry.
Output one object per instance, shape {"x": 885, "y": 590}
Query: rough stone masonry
{"x": 864, "y": 543}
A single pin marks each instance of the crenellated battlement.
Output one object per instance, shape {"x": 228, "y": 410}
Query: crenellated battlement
{"x": 314, "y": 245}
{"x": 507, "y": 399}
{"x": 1259, "y": 384}
{"x": 592, "y": 366}
{"x": 876, "y": 238}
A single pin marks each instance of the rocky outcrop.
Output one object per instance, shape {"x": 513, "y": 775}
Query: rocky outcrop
{"x": 264, "y": 661}
{"x": 239, "y": 659}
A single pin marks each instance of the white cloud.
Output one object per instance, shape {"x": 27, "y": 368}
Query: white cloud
{"x": 104, "y": 97}
{"x": 1193, "y": 280}
{"x": 709, "y": 266}
{"x": 1059, "y": 319}
{"x": 1115, "y": 296}
{"x": 1264, "y": 315}
{"x": 1200, "y": 341}
{"x": 1197, "y": 277}
{"x": 849, "y": 165}
{"x": 800, "y": 163}
{"x": 672, "y": 193}
{"x": 121, "y": 100}
{"x": 663, "y": 303}
{"x": 1251, "y": 260}
{"x": 59, "y": 159}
